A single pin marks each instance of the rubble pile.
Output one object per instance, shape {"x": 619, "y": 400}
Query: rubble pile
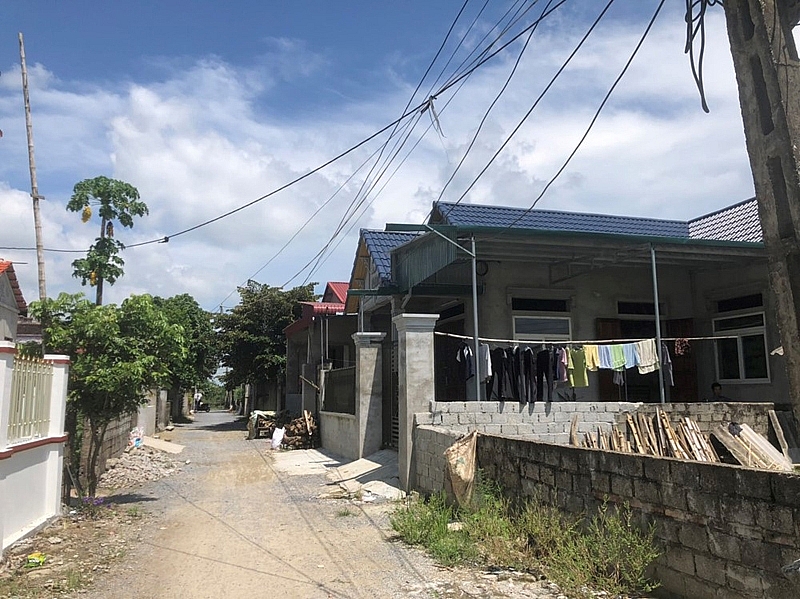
{"x": 137, "y": 466}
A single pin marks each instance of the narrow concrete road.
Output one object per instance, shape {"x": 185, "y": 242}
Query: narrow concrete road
{"x": 232, "y": 525}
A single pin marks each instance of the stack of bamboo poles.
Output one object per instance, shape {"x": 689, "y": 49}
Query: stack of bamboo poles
{"x": 651, "y": 435}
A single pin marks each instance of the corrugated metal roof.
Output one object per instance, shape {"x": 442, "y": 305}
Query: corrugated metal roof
{"x": 739, "y": 222}
{"x": 336, "y": 292}
{"x": 380, "y": 244}
{"x": 471, "y": 215}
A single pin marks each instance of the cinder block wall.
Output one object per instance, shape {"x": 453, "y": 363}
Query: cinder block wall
{"x": 115, "y": 442}
{"x": 709, "y": 415}
{"x": 726, "y": 531}
{"x": 541, "y": 420}
{"x": 550, "y": 422}
{"x": 429, "y": 445}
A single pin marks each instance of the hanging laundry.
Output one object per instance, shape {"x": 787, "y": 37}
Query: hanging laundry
{"x": 647, "y": 355}
{"x": 592, "y": 357}
{"x": 544, "y": 371}
{"x": 666, "y": 364}
{"x": 619, "y": 377}
{"x": 529, "y": 375}
{"x": 604, "y": 351}
{"x": 617, "y": 357}
{"x": 682, "y": 347}
{"x": 630, "y": 355}
{"x": 499, "y": 385}
{"x": 577, "y": 368}
{"x": 562, "y": 365}
{"x": 484, "y": 362}
{"x": 467, "y": 364}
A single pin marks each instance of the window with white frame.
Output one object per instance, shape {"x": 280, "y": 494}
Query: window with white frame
{"x": 743, "y": 356}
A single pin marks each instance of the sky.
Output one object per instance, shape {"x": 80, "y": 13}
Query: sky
{"x": 206, "y": 106}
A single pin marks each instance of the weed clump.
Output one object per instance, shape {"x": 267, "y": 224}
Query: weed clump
{"x": 583, "y": 555}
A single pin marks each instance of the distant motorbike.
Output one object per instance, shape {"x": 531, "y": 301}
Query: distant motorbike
{"x": 203, "y": 407}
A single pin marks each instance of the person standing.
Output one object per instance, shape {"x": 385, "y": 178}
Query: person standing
{"x": 198, "y": 397}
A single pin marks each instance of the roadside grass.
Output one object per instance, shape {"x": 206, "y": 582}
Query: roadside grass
{"x": 582, "y": 555}
{"x": 344, "y": 513}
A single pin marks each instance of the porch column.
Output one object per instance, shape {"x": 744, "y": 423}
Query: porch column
{"x": 415, "y": 375}
{"x": 7, "y": 352}
{"x": 369, "y": 397}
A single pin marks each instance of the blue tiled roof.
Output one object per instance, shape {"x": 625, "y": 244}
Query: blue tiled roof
{"x": 380, "y": 244}
{"x": 739, "y": 222}
{"x": 551, "y": 220}
{"x": 735, "y": 223}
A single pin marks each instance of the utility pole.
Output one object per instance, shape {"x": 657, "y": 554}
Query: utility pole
{"x": 768, "y": 75}
{"x": 37, "y": 219}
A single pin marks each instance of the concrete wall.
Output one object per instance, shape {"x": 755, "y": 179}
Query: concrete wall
{"x": 30, "y": 470}
{"x": 726, "y": 530}
{"x": 29, "y": 491}
{"x": 551, "y": 422}
{"x": 541, "y": 420}
{"x": 115, "y": 442}
{"x": 339, "y": 434}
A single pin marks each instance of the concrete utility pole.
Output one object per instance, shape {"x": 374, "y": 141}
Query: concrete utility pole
{"x": 37, "y": 219}
{"x": 768, "y": 75}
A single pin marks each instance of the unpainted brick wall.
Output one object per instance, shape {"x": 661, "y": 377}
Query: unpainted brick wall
{"x": 550, "y": 422}
{"x": 726, "y": 531}
{"x": 115, "y": 442}
{"x": 540, "y": 420}
{"x": 709, "y": 415}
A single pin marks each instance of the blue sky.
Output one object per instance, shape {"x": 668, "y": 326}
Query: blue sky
{"x": 204, "y": 106}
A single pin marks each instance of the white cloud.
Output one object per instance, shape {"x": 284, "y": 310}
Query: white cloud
{"x": 209, "y": 137}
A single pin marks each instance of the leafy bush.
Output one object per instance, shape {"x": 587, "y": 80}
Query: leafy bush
{"x": 606, "y": 552}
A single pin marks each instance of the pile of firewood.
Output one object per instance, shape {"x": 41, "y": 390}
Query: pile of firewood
{"x": 301, "y": 433}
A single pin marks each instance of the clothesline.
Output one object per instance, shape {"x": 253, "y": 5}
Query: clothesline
{"x": 591, "y": 342}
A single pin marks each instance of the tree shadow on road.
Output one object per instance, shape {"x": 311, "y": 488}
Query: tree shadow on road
{"x": 240, "y": 424}
{"x": 126, "y": 498}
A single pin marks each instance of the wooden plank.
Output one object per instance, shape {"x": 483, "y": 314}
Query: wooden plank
{"x": 635, "y": 434}
{"x": 769, "y": 452}
{"x": 776, "y": 426}
{"x": 735, "y": 446}
{"x": 573, "y": 430}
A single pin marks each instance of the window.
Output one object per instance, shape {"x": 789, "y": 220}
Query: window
{"x": 743, "y": 357}
{"x": 526, "y": 304}
{"x": 639, "y": 308}
{"x": 542, "y": 328}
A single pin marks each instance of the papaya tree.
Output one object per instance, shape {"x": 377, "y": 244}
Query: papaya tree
{"x": 115, "y": 202}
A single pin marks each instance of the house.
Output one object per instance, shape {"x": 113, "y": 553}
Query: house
{"x": 320, "y": 340}
{"x": 12, "y": 304}
{"x": 557, "y": 276}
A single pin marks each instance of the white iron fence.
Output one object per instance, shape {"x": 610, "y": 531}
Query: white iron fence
{"x": 31, "y": 385}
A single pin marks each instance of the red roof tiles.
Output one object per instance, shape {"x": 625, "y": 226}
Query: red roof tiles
{"x": 7, "y": 268}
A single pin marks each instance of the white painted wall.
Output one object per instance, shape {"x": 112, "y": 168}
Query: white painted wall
{"x": 30, "y": 473}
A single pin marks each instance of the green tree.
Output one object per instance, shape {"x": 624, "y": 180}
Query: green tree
{"x": 116, "y": 201}
{"x": 196, "y": 367}
{"x": 251, "y": 335}
{"x": 117, "y": 354}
